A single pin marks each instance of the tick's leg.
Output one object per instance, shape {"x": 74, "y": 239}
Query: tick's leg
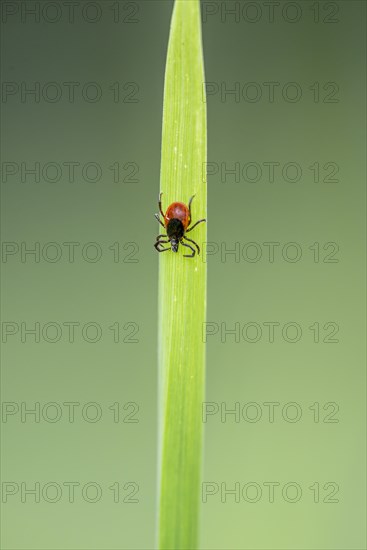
{"x": 158, "y": 243}
{"x": 158, "y": 218}
{"x": 160, "y": 204}
{"x": 159, "y": 236}
{"x": 193, "y": 242}
{"x": 195, "y": 224}
{"x": 188, "y": 246}
{"x": 190, "y": 201}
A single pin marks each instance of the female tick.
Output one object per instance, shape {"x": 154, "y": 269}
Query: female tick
{"x": 177, "y": 220}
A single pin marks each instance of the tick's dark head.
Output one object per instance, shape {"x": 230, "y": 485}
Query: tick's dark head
{"x": 174, "y": 245}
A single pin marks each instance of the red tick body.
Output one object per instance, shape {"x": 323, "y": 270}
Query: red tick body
{"x": 178, "y": 211}
{"x": 177, "y": 220}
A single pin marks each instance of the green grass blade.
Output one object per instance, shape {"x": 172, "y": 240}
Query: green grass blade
{"x": 182, "y": 285}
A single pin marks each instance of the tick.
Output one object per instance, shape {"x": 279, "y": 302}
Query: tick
{"x": 177, "y": 220}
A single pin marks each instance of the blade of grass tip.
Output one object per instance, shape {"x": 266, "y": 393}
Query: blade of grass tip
{"x": 182, "y": 286}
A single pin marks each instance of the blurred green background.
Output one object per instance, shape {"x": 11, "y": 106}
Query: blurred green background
{"x": 96, "y": 309}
